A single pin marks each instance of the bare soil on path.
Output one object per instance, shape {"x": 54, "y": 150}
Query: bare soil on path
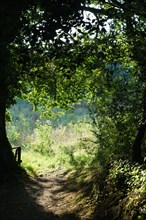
{"x": 45, "y": 197}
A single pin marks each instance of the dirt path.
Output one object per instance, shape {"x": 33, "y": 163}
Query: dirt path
{"x": 45, "y": 197}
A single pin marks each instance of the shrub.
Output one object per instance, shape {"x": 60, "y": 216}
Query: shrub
{"x": 42, "y": 139}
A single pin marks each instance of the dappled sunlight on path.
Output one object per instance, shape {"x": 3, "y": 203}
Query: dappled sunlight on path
{"x": 40, "y": 198}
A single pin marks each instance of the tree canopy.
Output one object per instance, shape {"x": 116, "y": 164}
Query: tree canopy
{"x": 59, "y": 51}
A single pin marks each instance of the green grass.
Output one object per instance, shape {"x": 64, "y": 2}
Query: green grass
{"x": 34, "y": 162}
{"x": 65, "y": 143}
{"x": 61, "y": 143}
{"x": 64, "y": 149}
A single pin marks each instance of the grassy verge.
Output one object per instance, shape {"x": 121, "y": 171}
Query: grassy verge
{"x": 117, "y": 191}
{"x": 60, "y": 148}
{"x": 51, "y": 144}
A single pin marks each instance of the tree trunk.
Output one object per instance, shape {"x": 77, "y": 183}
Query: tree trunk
{"x": 7, "y": 160}
{"x": 137, "y": 145}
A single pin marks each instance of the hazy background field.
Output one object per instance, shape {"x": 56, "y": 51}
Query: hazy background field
{"x": 63, "y": 142}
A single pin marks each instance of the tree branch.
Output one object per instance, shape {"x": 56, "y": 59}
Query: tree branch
{"x": 115, "y": 4}
{"x": 95, "y": 11}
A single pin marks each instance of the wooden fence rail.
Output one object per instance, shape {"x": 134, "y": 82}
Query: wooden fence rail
{"x": 17, "y": 154}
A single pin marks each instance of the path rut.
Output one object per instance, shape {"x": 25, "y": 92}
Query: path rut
{"x": 45, "y": 197}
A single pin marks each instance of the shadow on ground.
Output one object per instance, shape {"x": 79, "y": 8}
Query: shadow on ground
{"x": 18, "y": 201}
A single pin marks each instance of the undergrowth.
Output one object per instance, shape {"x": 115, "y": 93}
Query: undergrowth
{"x": 115, "y": 189}
{"x": 121, "y": 192}
{"x": 60, "y": 143}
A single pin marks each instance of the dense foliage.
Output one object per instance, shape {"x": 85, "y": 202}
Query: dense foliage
{"x": 27, "y": 30}
{"x": 55, "y": 54}
{"x": 115, "y": 113}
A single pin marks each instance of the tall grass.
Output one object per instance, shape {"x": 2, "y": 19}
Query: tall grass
{"x": 61, "y": 143}
{"x": 60, "y": 148}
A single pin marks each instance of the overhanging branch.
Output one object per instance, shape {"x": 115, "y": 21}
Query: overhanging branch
{"x": 95, "y": 11}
